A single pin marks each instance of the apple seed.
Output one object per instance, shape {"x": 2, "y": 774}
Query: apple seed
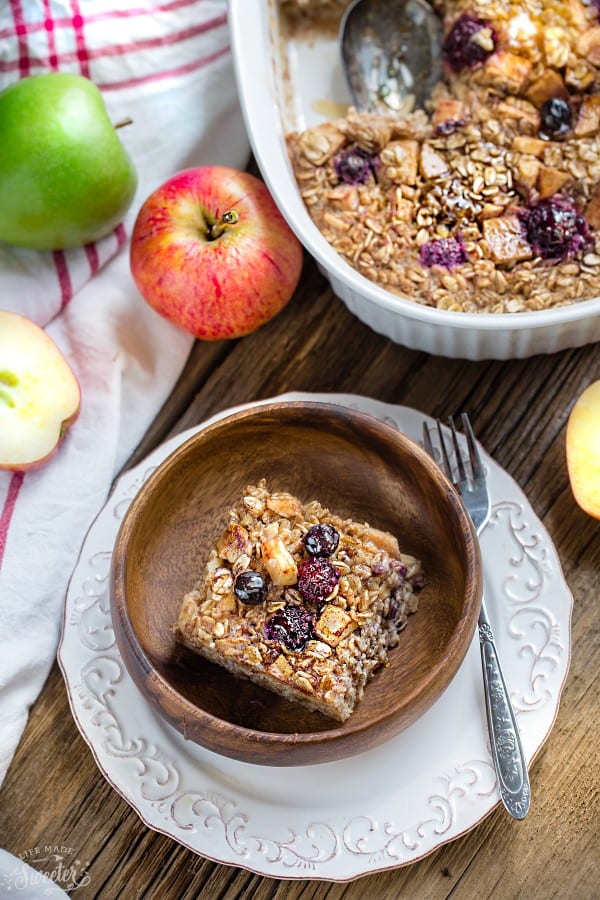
{"x": 10, "y": 380}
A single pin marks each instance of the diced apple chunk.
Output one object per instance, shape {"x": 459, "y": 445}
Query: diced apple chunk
{"x": 588, "y": 45}
{"x": 505, "y": 239}
{"x": 588, "y": 120}
{"x": 432, "y": 164}
{"x": 507, "y": 71}
{"x": 533, "y": 146}
{"x": 548, "y": 85}
{"x": 551, "y": 181}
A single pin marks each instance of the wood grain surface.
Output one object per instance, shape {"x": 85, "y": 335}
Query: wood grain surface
{"x": 54, "y": 793}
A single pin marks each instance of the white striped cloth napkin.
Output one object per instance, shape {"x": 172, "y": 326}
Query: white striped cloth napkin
{"x": 167, "y": 66}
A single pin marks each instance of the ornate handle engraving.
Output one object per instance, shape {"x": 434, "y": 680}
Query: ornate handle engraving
{"x": 507, "y": 752}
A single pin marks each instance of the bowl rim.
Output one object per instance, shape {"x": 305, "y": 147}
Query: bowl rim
{"x": 455, "y": 650}
{"x": 276, "y": 171}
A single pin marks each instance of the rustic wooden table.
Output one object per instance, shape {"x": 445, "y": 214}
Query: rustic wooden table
{"x": 55, "y": 794}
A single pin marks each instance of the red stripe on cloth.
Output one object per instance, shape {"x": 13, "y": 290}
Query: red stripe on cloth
{"x": 49, "y": 26}
{"x": 121, "y": 235}
{"x": 61, "y": 22}
{"x": 82, "y": 51}
{"x": 7, "y": 510}
{"x": 92, "y": 257}
{"x": 167, "y": 73}
{"x": 21, "y": 32}
{"x": 64, "y": 278}
{"x": 84, "y": 55}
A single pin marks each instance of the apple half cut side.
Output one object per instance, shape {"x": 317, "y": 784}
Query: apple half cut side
{"x": 39, "y": 394}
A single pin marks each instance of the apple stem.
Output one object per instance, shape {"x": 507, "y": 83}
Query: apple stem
{"x": 217, "y": 228}
{"x": 123, "y": 123}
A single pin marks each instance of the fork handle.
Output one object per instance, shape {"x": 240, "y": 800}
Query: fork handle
{"x": 507, "y": 752}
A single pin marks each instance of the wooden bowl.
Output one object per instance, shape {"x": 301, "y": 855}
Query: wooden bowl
{"x": 359, "y": 468}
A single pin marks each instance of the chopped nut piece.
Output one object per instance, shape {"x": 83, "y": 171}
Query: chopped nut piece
{"x": 281, "y": 668}
{"x": 505, "y": 239}
{"x": 333, "y": 625}
{"x": 279, "y": 561}
{"x": 548, "y": 85}
{"x": 404, "y": 210}
{"x": 432, "y": 165}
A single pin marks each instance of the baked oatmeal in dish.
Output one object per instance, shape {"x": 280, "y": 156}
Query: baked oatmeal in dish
{"x": 300, "y": 601}
{"x": 489, "y": 199}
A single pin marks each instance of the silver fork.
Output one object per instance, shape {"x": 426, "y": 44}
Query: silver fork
{"x": 509, "y": 762}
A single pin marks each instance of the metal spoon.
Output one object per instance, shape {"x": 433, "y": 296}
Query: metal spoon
{"x": 391, "y": 53}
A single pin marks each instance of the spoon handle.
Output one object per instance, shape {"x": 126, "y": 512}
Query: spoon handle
{"x": 507, "y": 752}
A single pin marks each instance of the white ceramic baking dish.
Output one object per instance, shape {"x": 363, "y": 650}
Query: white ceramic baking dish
{"x": 287, "y": 84}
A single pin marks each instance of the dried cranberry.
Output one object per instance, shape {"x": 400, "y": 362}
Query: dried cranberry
{"x": 321, "y": 540}
{"x": 469, "y": 42}
{"x": 291, "y": 626}
{"x": 447, "y": 252}
{"x": 555, "y": 229}
{"x": 354, "y": 166}
{"x": 316, "y": 579}
{"x": 250, "y": 587}
{"x": 596, "y": 3}
{"x": 556, "y": 115}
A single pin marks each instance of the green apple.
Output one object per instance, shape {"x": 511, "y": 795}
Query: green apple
{"x": 65, "y": 177}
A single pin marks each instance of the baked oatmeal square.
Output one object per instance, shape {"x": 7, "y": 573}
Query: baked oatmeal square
{"x": 300, "y": 601}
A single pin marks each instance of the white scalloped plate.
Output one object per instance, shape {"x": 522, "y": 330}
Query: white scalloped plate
{"x": 385, "y": 808}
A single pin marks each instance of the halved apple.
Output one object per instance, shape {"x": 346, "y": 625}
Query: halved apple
{"x": 583, "y": 450}
{"x": 39, "y": 394}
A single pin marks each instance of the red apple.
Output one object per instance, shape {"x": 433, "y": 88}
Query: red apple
{"x": 39, "y": 394}
{"x": 211, "y": 252}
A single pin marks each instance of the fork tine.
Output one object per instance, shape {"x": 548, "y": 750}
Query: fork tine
{"x": 427, "y": 445}
{"x": 472, "y": 445}
{"x": 457, "y": 453}
{"x": 445, "y": 458}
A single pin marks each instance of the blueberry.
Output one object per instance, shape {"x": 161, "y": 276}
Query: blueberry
{"x": 321, "y": 540}
{"x": 291, "y": 626}
{"x": 354, "y": 166}
{"x": 250, "y": 588}
{"x": 556, "y": 115}
{"x": 555, "y": 229}
{"x": 316, "y": 579}
{"x": 447, "y": 252}
{"x": 469, "y": 42}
